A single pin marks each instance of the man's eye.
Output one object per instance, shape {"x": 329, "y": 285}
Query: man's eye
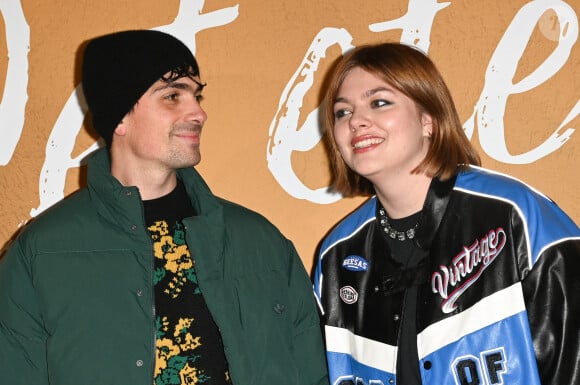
{"x": 172, "y": 96}
{"x": 199, "y": 98}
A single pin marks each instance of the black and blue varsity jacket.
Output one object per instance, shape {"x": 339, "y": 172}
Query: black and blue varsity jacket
{"x": 498, "y": 294}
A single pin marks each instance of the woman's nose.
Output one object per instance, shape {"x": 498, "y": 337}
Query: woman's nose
{"x": 359, "y": 120}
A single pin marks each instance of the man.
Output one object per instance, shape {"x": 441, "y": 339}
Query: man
{"x": 144, "y": 275}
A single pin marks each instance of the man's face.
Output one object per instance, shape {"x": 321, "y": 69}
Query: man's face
{"x": 163, "y": 130}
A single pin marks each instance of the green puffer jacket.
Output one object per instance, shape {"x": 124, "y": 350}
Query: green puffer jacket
{"x": 77, "y": 302}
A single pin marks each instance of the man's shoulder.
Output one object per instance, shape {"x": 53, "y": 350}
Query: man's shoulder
{"x": 241, "y": 214}
{"x": 245, "y": 223}
{"x": 62, "y": 216}
{"x": 233, "y": 212}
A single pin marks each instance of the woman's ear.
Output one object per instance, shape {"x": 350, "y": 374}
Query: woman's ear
{"x": 427, "y": 123}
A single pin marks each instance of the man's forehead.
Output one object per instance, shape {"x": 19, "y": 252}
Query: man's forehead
{"x": 190, "y": 82}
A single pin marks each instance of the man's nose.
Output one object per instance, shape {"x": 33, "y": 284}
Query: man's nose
{"x": 196, "y": 112}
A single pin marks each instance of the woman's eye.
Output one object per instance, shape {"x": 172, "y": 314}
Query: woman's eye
{"x": 340, "y": 113}
{"x": 380, "y": 103}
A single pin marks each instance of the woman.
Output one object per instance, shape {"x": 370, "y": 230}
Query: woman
{"x": 449, "y": 273}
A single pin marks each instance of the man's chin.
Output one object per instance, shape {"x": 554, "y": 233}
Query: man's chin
{"x": 186, "y": 162}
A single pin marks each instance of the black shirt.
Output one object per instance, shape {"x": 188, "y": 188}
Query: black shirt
{"x": 188, "y": 343}
{"x": 408, "y": 255}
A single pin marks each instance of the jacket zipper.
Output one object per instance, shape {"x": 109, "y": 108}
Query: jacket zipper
{"x": 151, "y": 275}
{"x": 153, "y": 314}
{"x": 153, "y": 311}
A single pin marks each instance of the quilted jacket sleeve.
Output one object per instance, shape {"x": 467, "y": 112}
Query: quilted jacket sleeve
{"x": 22, "y": 336}
{"x": 308, "y": 337}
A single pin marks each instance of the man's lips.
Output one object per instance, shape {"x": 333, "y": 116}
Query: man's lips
{"x": 189, "y": 136}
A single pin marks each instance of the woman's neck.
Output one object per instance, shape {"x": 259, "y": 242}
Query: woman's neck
{"x": 403, "y": 196}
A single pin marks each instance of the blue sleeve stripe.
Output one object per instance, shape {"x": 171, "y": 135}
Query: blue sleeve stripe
{"x": 488, "y": 311}
{"x": 351, "y": 225}
{"x": 545, "y": 223}
{"x": 343, "y": 369}
{"x": 364, "y": 350}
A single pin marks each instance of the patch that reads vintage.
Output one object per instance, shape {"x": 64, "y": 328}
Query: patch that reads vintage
{"x": 348, "y": 294}
{"x": 355, "y": 263}
{"x": 452, "y": 281}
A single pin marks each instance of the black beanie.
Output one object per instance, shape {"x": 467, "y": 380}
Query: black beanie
{"x": 120, "y": 67}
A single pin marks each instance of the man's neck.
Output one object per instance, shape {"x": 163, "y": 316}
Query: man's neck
{"x": 151, "y": 183}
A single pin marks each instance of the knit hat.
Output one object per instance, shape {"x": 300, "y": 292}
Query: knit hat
{"x": 119, "y": 68}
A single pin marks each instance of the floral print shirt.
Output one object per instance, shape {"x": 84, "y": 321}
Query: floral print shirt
{"x": 188, "y": 344}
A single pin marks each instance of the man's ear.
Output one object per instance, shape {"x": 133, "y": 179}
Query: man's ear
{"x": 427, "y": 123}
{"x": 121, "y": 128}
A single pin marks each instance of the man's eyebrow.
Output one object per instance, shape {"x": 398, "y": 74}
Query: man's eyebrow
{"x": 176, "y": 84}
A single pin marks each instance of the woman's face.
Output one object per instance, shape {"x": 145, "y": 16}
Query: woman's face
{"x": 378, "y": 130}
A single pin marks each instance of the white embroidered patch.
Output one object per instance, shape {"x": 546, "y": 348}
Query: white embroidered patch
{"x": 450, "y": 282}
{"x": 348, "y": 294}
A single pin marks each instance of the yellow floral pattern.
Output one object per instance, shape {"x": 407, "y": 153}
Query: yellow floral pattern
{"x": 175, "y": 255}
{"x": 178, "y": 350}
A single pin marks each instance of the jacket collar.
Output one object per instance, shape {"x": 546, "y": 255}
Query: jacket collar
{"x": 121, "y": 205}
{"x": 114, "y": 202}
{"x": 107, "y": 190}
{"x": 206, "y": 231}
{"x": 433, "y": 210}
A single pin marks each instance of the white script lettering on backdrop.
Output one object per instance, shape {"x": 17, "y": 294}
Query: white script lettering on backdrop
{"x": 14, "y": 98}
{"x": 286, "y": 137}
{"x": 489, "y": 110}
{"x": 284, "y": 134}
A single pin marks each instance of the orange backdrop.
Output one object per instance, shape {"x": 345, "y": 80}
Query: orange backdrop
{"x": 512, "y": 67}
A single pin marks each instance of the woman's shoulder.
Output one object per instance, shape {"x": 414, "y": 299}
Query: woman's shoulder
{"x": 353, "y": 223}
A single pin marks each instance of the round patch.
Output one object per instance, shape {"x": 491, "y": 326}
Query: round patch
{"x": 348, "y": 295}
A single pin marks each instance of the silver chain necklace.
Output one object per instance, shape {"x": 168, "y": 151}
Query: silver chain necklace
{"x": 393, "y": 233}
